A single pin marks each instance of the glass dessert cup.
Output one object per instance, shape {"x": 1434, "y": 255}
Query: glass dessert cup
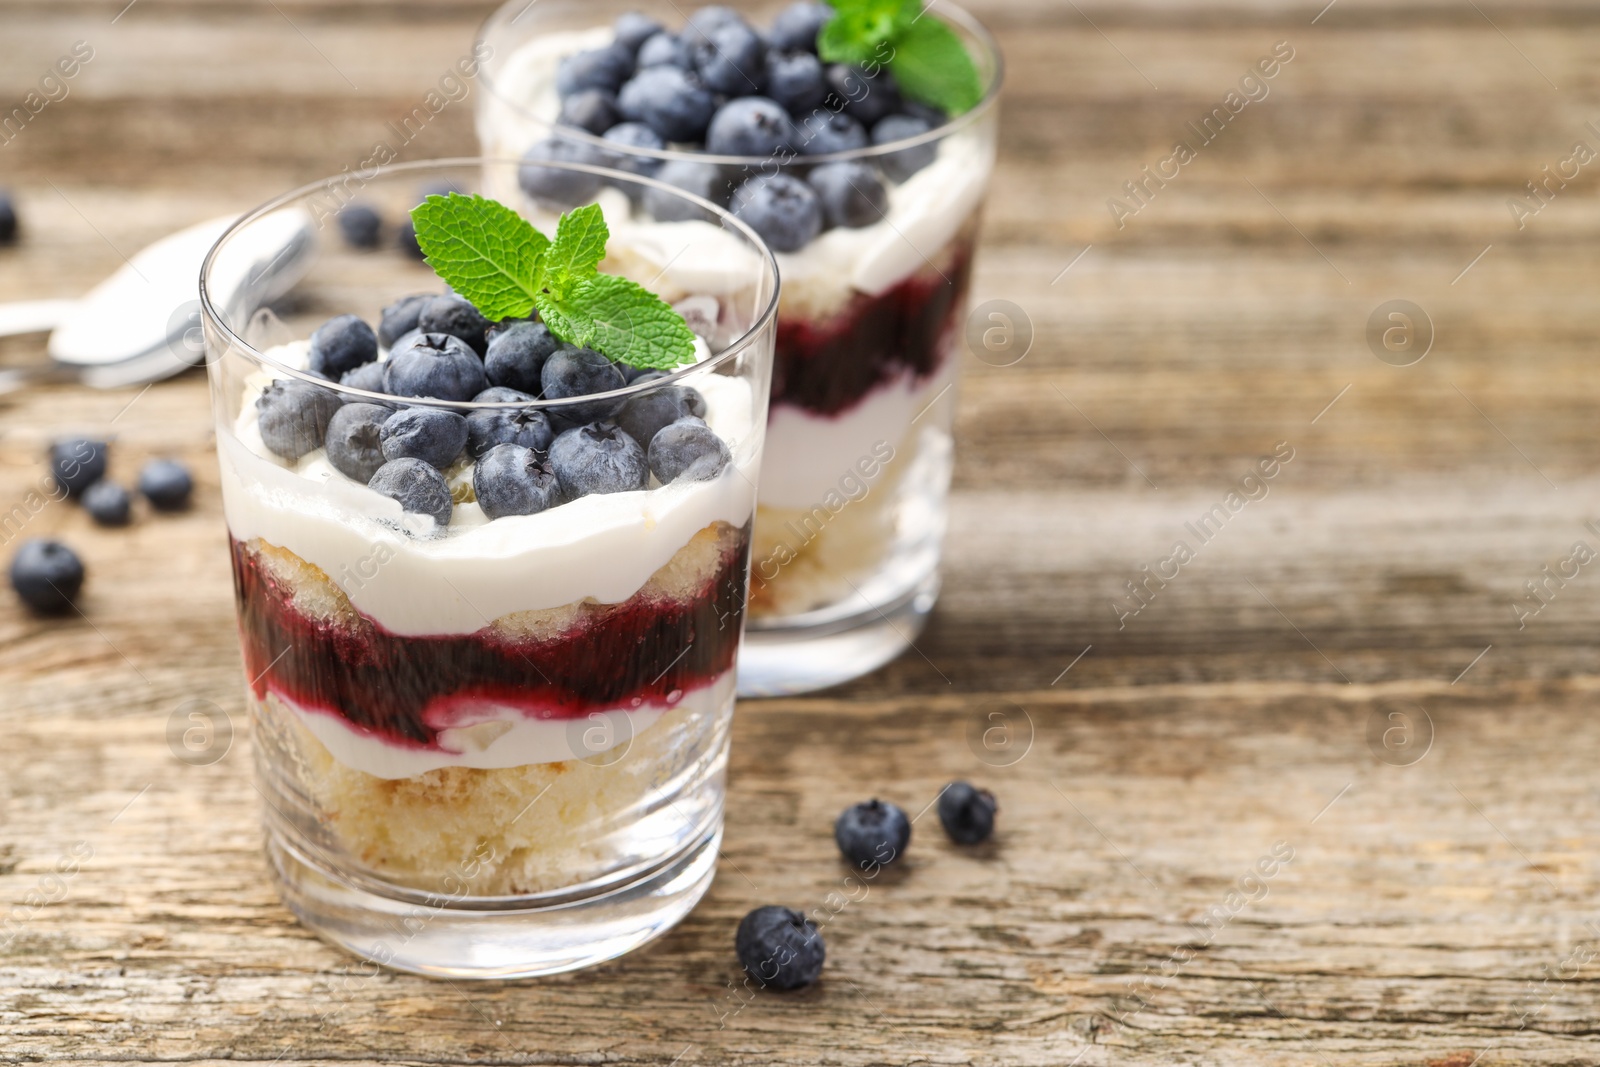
{"x": 493, "y": 747}
{"x": 855, "y": 481}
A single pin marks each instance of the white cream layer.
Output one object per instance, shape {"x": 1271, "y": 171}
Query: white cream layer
{"x": 603, "y": 547}
{"x": 491, "y": 737}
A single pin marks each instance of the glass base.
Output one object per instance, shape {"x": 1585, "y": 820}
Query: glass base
{"x": 802, "y": 654}
{"x": 479, "y": 937}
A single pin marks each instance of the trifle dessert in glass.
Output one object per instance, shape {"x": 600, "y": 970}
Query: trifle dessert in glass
{"x": 490, "y": 550}
{"x": 858, "y": 143}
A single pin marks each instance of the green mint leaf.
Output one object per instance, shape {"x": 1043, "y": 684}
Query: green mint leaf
{"x": 565, "y": 322}
{"x": 630, "y": 324}
{"x": 484, "y": 250}
{"x": 860, "y": 28}
{"x": 576, "y": 253}
{"x": 933, "y": 66}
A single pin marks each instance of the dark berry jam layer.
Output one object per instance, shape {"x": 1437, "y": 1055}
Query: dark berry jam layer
{"x": 649, "y": 649}
{"x": 827, "y": 367}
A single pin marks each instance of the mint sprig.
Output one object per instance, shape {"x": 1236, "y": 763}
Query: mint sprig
{"x": 922, "y": 52}
{"x": 507, "y": 269}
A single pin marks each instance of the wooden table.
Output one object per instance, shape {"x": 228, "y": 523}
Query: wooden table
{"x": 1439, "y": 906}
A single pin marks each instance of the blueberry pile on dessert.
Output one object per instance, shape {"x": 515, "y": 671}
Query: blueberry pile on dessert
{"x": 725, "y": 88}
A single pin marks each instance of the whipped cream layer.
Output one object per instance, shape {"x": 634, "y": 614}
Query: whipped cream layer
{"x": 603, "y": 547}
{"x": 490, "y": 737}
{"x": 925, "y": 212}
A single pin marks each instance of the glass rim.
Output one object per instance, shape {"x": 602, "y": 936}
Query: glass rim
{"x": 718, "y": 357}
{"x": 957, "y": 14}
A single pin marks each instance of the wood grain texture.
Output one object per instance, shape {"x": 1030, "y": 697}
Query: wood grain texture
{"x": 1439, "y": 913}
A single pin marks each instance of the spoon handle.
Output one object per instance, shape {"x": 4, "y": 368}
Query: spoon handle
{"x": 32, "y": 316}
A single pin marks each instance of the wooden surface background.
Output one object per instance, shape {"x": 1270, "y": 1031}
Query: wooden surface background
{"x": 1439, "y": 912}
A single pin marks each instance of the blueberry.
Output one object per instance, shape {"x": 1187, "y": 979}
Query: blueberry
{"x": 872, "y": 832}
{"x": 643, "y": 416}
{"x": 851, "y": 192}
{"x": 731, "y": 59}
{"x": 599, "y": 68}
{"x": 598, "y": 458}
{"x": 436, "y": 365}
{"x": 517, "y": 355}
{"x": 368, "y": 376}
{"x": 405, "y": 239}
{"x": 457, "y": 317}
{"x": 400, "y": 318}
{"x": 865, "y": 98}
{"x": 77, "y": 463}
{"x": 433, "y": 435}
{"x": 783, "y": 210}
{"x": 420, "y": 489}
{"x": 907, "y": 161}
{"x": 967, "y": 813}
{"x": 795, "y": 81}
{"x": 46, "y": 575}
{"x": 293, "y": 416}
{"x": 573, "y": 372}
{"x": 687, "y": 450}
{"x": 353, "y": 444}
{"x": 512, "y": 480}
{"x": 8, "y": 219}
{"x": 926, "y": 112}
{"x": 488, "y": 427}
{"x": 167, "y": 484}
{"x": 750, "y": 126}
{"x": 107, "y": 503}
{"x": 780, "y": 948}
{"x": 631, "y": 374}
{"x": 594, "y": 110}
{"x": 670, "y": 101}
{"x": 825, "y": 132}
{"x": 361, "y": 225}
{"x": 705, "y": 19}
{"x": 796, "y": 26}
{"x": 705, "y": 180}
{"x": 665, "y": 50}
{"x": 340, "y": 345}
{"x": 634, "y": 29}
{"x": 634, "y": 135}
{"x": 563, "y": 187}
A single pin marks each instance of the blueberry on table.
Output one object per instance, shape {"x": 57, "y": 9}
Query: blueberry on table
{"x": 865, "y": 98}
{"x": 796, "y": 27}
{"x": 599, "y": 68}
{"x": 873, "y": 831}
{"x": 340, "y": 345}
{"x": 571, "y": 372}
{"x": 635, "y": 135}
{"x": 780, "y": 948}
{"x": 705, "y": 180}
{"x": 405, "y": 239}
{"x": 967, "y": 813}
{"x": 434, "y": 365}
{"x": 782, "y": 209}
{"x": 420, "y": 489}
{"x": 8, "y": 219}
{"x": 517, "y": 355}
{"x": 633, "y": 29}
{"x": 167, "y": 484}
{"x": 107, "y": 503}
{"x": 750, "y": 126}
{"x": 822, "y": 133}
{"x": 77, "y": 463}
{"x": 457, "y": 317}
{"x": 598, "y": 458}
{"x": 594, "y": 110}
{"x": 354, "y": 446}
{"x": 731, "y": 59}
{"x": 46, "y": 575}
{"x": 795, "y": 80}
{"x": 433, "y": 435}
{"x": 670, "y": 101}
{"x": 361, "y": 225}
{"x": 512, "y": 480}
{"x": 851, "y": 192}
{"x": 554, "y": 184}
{"x": 644, "y": 416}
{"x": 488, "y": 427}
{"x": 400, "y": 318}
{"x": 687, "y": 450}
{"x": 907, "y": 161}
{"x": 665, "y": 50}
{"x": 293, "y": 416}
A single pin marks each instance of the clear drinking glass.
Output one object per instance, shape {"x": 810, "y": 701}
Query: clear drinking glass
{"x": 493, "y": 747}
{"x": 854, "y": 485}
